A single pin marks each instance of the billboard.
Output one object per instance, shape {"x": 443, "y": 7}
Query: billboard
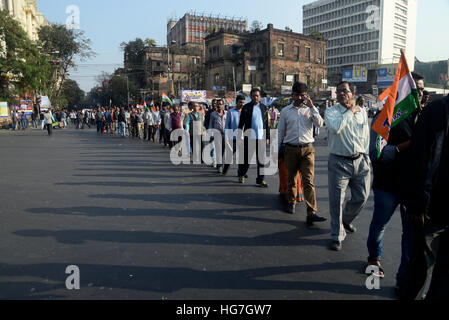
{"x": 199, "y": 96}
{"x": 26, "y": 105}
{"x": 45, "y": 103}
{"x": 385, "y": 75}
{"x": 4, "y": 110}
{"x": 356, "y": 74}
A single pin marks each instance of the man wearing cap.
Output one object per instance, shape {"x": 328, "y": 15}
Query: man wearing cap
{"x": 296, "y": 132}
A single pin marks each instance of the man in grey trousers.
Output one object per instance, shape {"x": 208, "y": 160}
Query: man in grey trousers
{"x": 349, "y": 163}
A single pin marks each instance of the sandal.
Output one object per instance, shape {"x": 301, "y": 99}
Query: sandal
{"x": 381, "y": 273}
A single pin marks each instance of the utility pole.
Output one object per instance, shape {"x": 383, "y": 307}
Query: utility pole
{"x": 127, "y": 89}
{"x": 235, "y": 87}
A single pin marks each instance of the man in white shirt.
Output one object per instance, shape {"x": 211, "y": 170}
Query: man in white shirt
{"x": 296, "y": 132}
{"x": 349, "y": 162}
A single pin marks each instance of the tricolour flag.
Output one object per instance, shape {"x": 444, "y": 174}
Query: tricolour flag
{"x": 401, "y": 99}
{"x": 165, "y": 98}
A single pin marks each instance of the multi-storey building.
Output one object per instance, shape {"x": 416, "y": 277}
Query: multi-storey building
{"x": 272, "y": 59}
{"x": 193, "y": 28}
{"x": 167, "y": 71}
{"x": 26, "y": 12}
{"x": 365, "y": 33}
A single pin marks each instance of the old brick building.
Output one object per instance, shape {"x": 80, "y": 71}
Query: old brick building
{"x": 153, "y": 75}
{"x": 272, "y": 59}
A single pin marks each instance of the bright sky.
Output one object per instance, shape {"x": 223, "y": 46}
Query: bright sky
{"x": 109, "y": 22}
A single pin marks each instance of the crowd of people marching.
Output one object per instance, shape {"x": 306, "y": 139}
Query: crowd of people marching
{"x": 409, "y": 172}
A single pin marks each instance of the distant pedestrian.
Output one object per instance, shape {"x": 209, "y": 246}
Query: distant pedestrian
{"x": 49, "y": 122}
{"x": 254, "y": 117}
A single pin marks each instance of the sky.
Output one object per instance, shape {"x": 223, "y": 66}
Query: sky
{"x": 107, "y": 23}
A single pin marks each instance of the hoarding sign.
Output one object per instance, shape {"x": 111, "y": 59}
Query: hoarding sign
{"x": 45, "y": 103}
{"x": 4, "y": 110}
{"x": 356, "y": 74}
{"x": 246, "y": 88}
{"x": 286, "y": 90}
{"x": 26, "y": 106}
{"x": 385, "y": 75}
{"x": 194, "y": 96}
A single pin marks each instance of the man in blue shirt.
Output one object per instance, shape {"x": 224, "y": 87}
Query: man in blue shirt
{"x": 254, "y": 116}
{"x": 232, "y": 124}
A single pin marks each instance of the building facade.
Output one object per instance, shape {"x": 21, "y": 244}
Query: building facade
{"x": 272, "y": 59}
{"x": 26, "y": 12}
{"x": 164, "y": 71}
{"x": 193, "y": 28}
{"x": 365, "y": 33}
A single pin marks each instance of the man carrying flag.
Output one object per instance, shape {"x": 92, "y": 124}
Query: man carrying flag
{"x": 389, "y": 152}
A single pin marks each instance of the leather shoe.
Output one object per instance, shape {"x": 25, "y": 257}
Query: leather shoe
{"x": 314, "y": 218}
{"x": 291, "y": 209}
{"x": 336, "y": 246}
{"x": 349, "y": 228}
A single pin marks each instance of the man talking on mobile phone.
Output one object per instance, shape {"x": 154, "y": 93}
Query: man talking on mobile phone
{"x": 296, "y": 132}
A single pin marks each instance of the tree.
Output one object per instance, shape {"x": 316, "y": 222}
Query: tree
{"x": 134, "y": 50}
{"x": 23, "y": 69}
{"x": 256, "y": 26}
{"x": 150, "y": 43}
{"x": 64, "y": 46}
{"x": 71, "y": 94}
{"x": 317, "y": 35}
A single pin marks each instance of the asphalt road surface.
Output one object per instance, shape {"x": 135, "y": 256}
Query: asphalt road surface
{"x": 138, "y": 227}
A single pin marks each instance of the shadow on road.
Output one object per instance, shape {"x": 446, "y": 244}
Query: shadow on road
{"x": 170, "y": 280}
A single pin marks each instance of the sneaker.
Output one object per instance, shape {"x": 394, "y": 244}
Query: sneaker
{"x": 220, "y": 170}
{"x": 349, "y": 228}
{"x": 242, "y": 180}
{"x": 214, "y": 164}
{"x": 263, "y": 184}
{"x": 336, "y": 246}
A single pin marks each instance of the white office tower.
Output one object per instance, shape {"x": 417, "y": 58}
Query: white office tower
{"x": 365, "y": 33}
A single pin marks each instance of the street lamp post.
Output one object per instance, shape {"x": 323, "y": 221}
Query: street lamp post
{"x": 168, "y": 61}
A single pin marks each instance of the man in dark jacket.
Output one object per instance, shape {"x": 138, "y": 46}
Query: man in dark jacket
{"x": 426, "y": 200}
{"x": 254, "y": 116}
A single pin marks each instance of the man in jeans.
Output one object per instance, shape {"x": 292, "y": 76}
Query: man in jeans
{"x": 349, "y": 163}
{"x": 388, "y": 171}
{"x": 296, "y": 131}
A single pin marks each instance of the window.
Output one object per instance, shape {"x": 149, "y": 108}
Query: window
{"x": 296, "y": 78}
{"x": 216, "y": 78}
{"x": 296, "y": 52}
{"x": 178, "y": 67}
{"x": 281, "y": 49}
{"x": 308, "y": 54}
{"x": 281, "y": 78}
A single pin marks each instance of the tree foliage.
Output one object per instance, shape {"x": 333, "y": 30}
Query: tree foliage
{"x": 71, "y": 94}
{"x": 23, "y": 69}
{"x": 65, "y": 46}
